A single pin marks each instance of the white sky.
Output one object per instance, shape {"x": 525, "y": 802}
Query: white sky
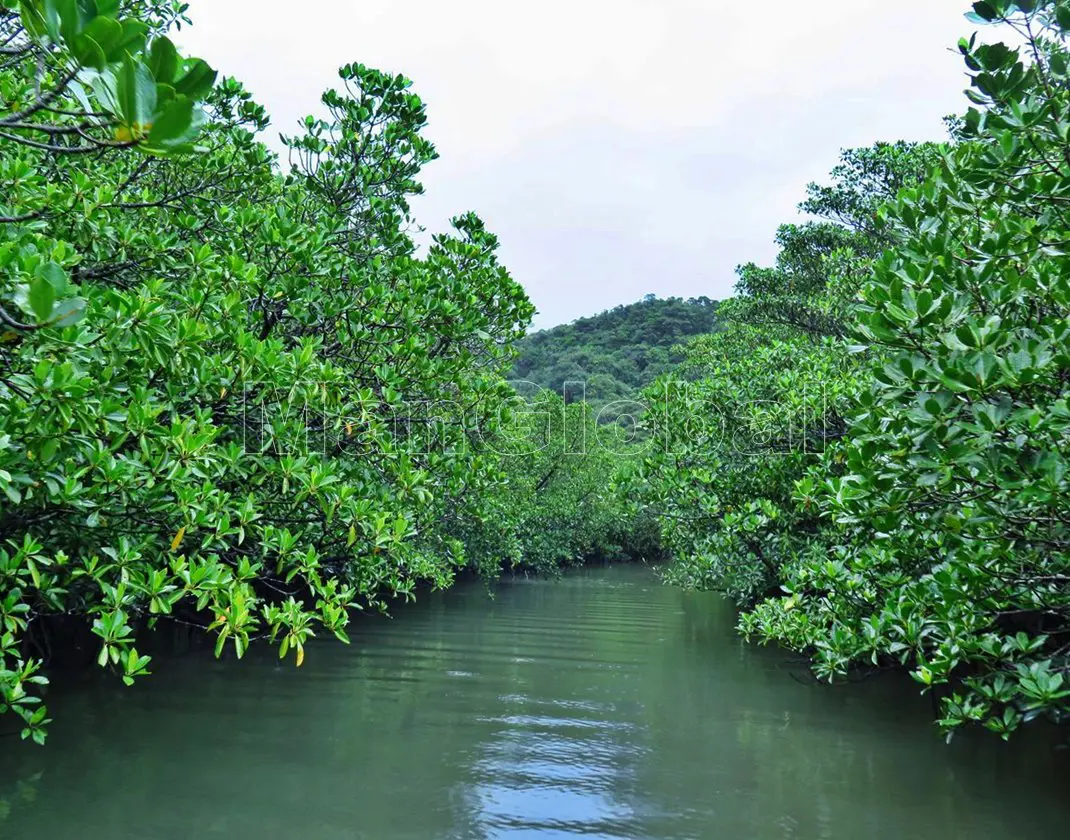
{"x": 617, "y": 147}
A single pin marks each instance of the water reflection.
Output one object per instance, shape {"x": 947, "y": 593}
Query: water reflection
{"x": 603, "y": 705}
{"x": 555, "y": 766}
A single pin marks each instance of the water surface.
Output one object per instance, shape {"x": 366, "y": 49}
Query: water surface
{"x": 603, "y": 705}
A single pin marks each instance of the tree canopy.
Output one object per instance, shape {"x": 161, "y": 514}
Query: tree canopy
{"x": 234, "y": 395}
{"x": 872, "y": 457}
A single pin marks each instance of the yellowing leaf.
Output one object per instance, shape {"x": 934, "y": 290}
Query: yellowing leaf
{"x": 300, "y": 656}
{"x": 177, "y": 541}
{"x": 132, "y": 133}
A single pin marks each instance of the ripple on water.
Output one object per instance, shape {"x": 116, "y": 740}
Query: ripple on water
{"x": 601, "y": 705}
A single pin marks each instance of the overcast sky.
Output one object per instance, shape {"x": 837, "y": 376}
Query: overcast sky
{"x": 617, "y": 147}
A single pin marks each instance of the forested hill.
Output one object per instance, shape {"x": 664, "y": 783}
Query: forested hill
{"x": 617, "y": 352}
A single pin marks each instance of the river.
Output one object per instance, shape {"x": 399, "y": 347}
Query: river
{"x": 601, "y": 705}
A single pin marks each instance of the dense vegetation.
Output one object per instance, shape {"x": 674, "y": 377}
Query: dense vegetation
{"x": 233, "y": 395}
{"x": 238, "y": 397}
{"x": 873, "y": 456}
{"x": 756, "y": 404}
{"x": 612, "y": 356}
{"x": 562, "y": 506}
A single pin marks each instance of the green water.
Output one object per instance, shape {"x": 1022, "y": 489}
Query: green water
{"x": 604, "y": 706}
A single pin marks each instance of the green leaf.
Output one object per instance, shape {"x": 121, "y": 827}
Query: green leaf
{"x": 104, "y": 86}
{"x": 163, "y": 60}
{"x": 52, "y": 16}
{"x": 42, "y": 297}
{"x": 54, "y": 274}
{"x": 136, "y": 92}
{"x": 175, "y": 125}
{"x": 73, "y": 16}
{"x": 197, "y": 80}
{"x": 68, "y": 312}
{"x": 130, "y": 42}
{"x": 88, "y": 51}
{"x": 32, "y": 18}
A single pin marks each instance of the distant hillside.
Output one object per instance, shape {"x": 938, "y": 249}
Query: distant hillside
{"x": 617, "y": 352}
